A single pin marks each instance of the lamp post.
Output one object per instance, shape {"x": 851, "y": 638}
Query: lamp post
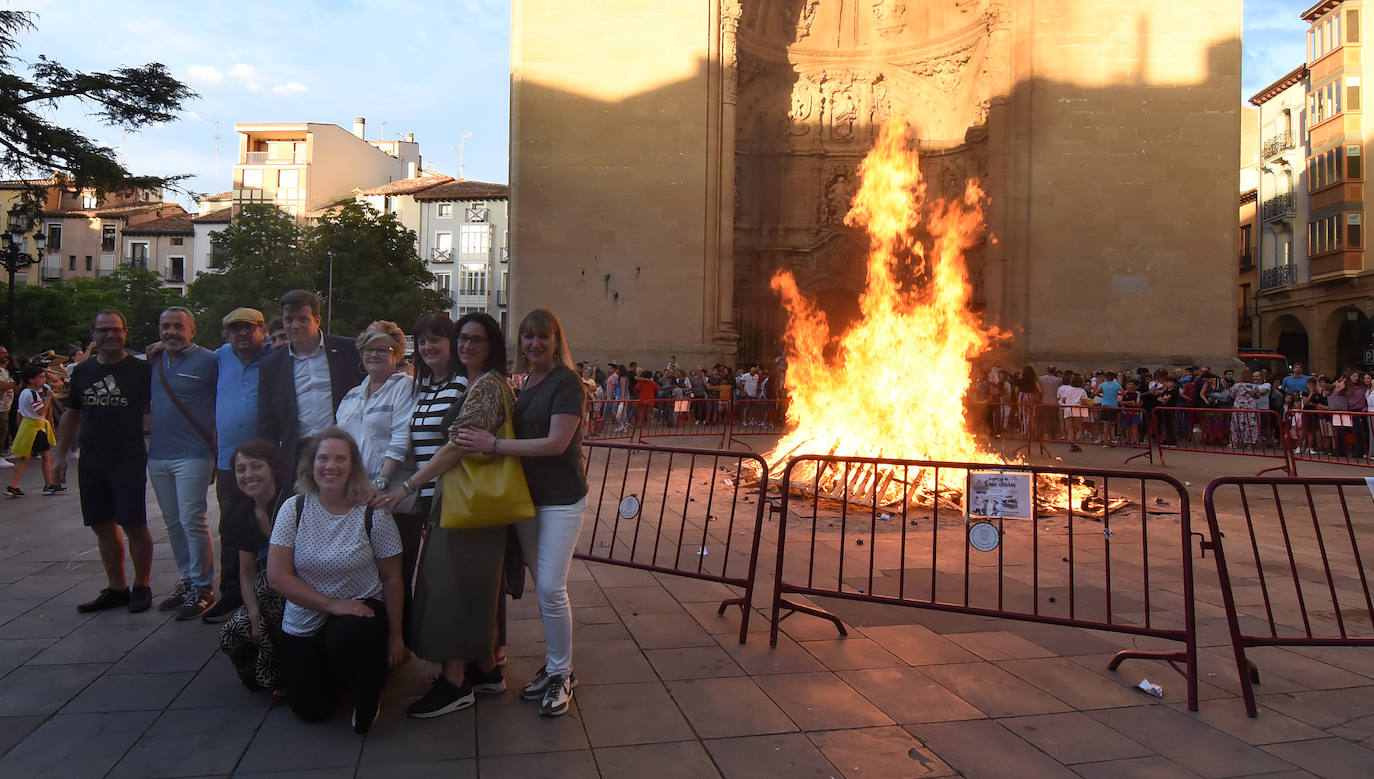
{"x": 14, "y": 259}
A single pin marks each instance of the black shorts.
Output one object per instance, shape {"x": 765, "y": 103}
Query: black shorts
{"x": 41, "y": 443}
{"x": 114, "y": 494}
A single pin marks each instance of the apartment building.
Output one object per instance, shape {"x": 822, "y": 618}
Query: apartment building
{"x": 465, "y": 242}
{"x": 12, "y": 195}
{"x": 164, "y": 246}
{"x": 1316, "y": 295}
{"x": 303, "y": 167}
{"x": 398, "y": 197}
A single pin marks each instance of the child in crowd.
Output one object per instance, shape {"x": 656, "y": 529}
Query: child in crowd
{"x": 35, "y": 434}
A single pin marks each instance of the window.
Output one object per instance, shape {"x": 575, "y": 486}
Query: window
{"x": 178, "y": 241}
{"x": 88, "y": 262}
{"x": 289, "y": 179}
{"x": 475, "y": 239}
{"x": 445, "y": 211}
{"x": 477, "y": 212}
{"x": 54, "y": 238}
{"x": 388, "y": 204}
{"x": 252, "y": 177}
{"x": 138, "y": 254}
{"x": 71, "y": 262}
{"x": 444, "y": 283}
{"x": 1352, "y": 26}
{"x": 443, "y": 247}
{"x": 1244, "y": 246}
{"x": 473, "y": 280}
{"x": 1353, "y": 169}
{"x": 1352, "y": 93}
{"x": 89, "y": 201}
{"x": 107, "y": 238}
{"x": 1353, "y": 231}
{"x": 1326, "y": 168}
{"x": 465, "y": 310}
{"x": 1324, "y": 235}
{"x": 176, "y": 268}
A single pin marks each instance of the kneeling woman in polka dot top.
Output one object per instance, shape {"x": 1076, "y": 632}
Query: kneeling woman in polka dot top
{"x": 338, "y": 564}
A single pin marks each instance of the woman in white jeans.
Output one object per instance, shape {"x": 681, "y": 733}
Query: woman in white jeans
{"x": 548, "y": 439}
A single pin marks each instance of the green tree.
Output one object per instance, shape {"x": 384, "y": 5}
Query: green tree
{"x": 376, "y": 272}
{"x": 33, "y": 146}
{"x": 261, "y": 256}
{"x": 47, "y": 320}
{"x": 59, "y": 316}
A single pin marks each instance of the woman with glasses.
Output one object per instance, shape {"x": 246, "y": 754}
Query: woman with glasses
{"x": 459, "y": 612}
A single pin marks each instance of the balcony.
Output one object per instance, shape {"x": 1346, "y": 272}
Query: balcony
{"x": 51, "y": 271}
{"x": 1339, "y": 263}
{"x": 138, "y": 261}
{"x": 505, "y": 254}
{"x": 1277, "y": 144}
{"x": 273, "y": 158}
{"x": 1273, "y": 278}
{"x": 1277, "y": 207}
{"x": 1247, "y": 260}
{"x": 502, "y": 298}
{"x": 441, "y": 255}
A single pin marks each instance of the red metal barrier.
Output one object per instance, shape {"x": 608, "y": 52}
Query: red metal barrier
{"x": 1248, "y": 432}
{"x": 668, "y": 510}
{"x": 607, "y": 420}
{"x": 756, "y": 417}
{"x": 1297, "y": 559}
{"x": 686, "y": 417}
{"x": 1042, "y": 423}
{"x": 1128, "y": 570}
{"x": 1340, "y": 437}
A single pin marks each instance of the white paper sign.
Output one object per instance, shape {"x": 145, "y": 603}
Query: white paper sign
{"x": 1004, "y": 494}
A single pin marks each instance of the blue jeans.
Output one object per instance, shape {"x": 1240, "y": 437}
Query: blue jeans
{"x": 180, "y": 486}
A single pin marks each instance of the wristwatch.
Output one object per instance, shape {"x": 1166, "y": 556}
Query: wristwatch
{"x": 380, "y": 482}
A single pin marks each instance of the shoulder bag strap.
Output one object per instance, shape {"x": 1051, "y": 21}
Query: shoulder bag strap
{"x": 185, "y": 412}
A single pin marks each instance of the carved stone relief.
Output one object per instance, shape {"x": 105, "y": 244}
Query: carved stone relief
{"x": 890, "y": 16}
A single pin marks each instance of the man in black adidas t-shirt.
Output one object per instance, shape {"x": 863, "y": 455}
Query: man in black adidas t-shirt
{"x": 108, "y": 400}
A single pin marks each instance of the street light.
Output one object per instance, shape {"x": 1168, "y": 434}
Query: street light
{"x": 14, "y": 259}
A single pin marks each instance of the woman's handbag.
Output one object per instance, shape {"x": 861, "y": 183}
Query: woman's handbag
{"x": 484, "y": 490}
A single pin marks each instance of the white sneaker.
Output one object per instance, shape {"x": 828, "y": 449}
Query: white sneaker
{"x": 5, "y": 463}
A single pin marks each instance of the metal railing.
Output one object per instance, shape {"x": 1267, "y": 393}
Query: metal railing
{"x": 1295, "y": 554}
{"x": 665, "y": 510}
{"x": 1085, "y": 552}
{"x": 1276, "y": 144}
{"x": 1280, "y": 276}
{"x": 1277, "y": 206}
{"x": 273, "y": 158}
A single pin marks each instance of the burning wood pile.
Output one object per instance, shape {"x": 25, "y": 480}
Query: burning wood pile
{"x": 890, "y": 384}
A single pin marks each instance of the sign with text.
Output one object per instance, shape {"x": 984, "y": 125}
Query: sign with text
{"x": 998, "y": 494}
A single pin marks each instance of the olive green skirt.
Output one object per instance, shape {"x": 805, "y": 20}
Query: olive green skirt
{"x": 459, "y": 606}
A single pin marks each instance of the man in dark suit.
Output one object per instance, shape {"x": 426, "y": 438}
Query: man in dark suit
{"x": 299, "y": 387}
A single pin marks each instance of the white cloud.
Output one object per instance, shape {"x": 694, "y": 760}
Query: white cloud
{"x": 289, "y": 88}
{"x": 246, "y": 75}
{"x": 204, "y": 75}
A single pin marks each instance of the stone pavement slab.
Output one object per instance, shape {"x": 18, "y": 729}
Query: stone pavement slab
{"x": 666, "y": 689}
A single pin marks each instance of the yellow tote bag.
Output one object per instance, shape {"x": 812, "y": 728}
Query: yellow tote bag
{"x": 484, "y": 490}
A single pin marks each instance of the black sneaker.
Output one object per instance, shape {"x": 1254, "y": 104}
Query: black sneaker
{"x": 557, "y": 696}
{"x": 14, "y": 492}
{"x": 141, "y": 599}
{"x": 222, "y": 611}
{"x": 486, "y": 682}
{"x": 178, "y": 597}
{"x": 535, "y": 690}
{"x": 443, "y": 697}
{"x": 198, "y": 601}
{"x": 107, "y": 599}
{"x": 363, "y": 725}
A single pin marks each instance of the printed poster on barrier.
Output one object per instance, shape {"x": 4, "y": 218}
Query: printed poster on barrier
{"x": 998, "y": 495}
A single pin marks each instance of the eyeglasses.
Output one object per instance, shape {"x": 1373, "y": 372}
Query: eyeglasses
{"x": 103, "y": 330}
{"x": 472, "y": 339}
{"x": 381, "y": 351}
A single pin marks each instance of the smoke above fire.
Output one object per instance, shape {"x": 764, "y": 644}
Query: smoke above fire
{"x": 892, "y": 383}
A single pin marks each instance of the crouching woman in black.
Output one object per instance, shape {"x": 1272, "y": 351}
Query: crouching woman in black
{"x": 338, "y": 564}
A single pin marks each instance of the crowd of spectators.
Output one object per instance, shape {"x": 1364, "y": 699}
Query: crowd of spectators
{"x": 1110, "y": 408}
{"x": 627, "y": 395}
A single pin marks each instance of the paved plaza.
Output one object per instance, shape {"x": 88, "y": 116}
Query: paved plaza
{"x": 667, "y": 691}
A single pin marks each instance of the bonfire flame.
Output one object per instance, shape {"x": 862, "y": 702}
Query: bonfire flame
{"x": 892, "y": 382}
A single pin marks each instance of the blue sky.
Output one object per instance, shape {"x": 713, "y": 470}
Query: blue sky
{"x": 439, "y": 70}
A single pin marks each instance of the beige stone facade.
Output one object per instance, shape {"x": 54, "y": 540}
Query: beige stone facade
{"x": 666, "y": 159}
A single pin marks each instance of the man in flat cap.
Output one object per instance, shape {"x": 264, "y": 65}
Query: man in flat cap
{"x": 236, "y": 420}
